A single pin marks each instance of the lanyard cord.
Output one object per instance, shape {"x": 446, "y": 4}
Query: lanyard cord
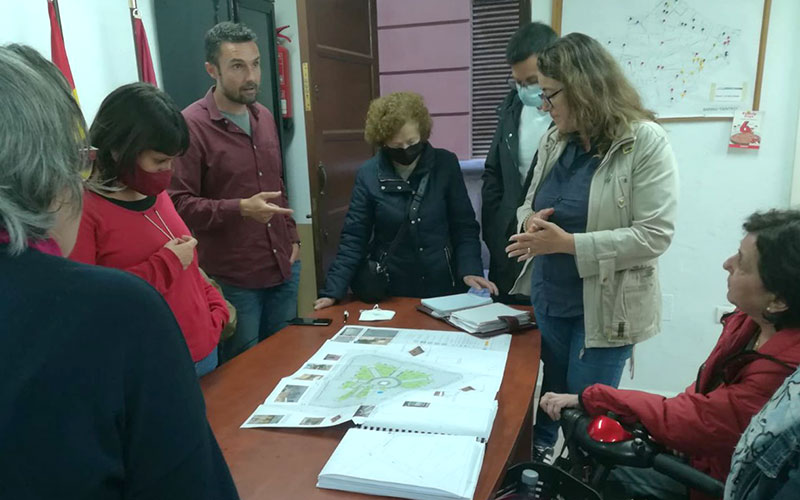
{"x": 167, "y": 233}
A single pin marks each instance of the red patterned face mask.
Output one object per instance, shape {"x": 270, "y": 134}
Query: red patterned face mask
{"x": 147, "y": 183}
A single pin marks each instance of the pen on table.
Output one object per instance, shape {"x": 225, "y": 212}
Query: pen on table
{"x": 346, "y": 315}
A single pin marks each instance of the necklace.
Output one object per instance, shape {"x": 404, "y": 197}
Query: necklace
{"x": 757, "y": 342}
{"x": 166, "y": 233}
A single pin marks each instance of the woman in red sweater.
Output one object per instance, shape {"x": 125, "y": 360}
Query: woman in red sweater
{"x": 129, "y": 221}
{"x": 759, "y": 347}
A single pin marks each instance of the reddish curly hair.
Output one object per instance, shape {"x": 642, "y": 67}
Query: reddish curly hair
{"x": 387, "y": 115}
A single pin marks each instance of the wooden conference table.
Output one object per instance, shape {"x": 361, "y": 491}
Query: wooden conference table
{"x": 284, "y": 463}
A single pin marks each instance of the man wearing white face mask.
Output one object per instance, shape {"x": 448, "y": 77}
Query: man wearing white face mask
{"x": 506, "y": 177}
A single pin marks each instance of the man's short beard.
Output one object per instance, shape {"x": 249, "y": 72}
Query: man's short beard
{"x": 239, "y": 98}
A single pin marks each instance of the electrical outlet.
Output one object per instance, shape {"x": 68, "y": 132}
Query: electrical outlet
{"x": 721, "y": 311}
{"x": 667, "y": 301}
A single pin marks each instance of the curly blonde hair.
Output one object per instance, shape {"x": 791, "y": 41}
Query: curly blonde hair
{"x": 387, "y": 115}
{"x": 602, "y": 100}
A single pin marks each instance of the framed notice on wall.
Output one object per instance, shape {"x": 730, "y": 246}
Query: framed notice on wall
{"x": 688, "y": 58}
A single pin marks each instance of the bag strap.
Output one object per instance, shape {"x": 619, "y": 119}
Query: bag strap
{"x": 413, "y": 211}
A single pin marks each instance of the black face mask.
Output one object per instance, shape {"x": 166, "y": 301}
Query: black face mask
{"x": 404, "y": 156}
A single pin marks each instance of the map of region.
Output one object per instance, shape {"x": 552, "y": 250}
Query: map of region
{"x": 686, "y": 58}
{"x": 369, "y": 379}
{"x": 672, "y": 52}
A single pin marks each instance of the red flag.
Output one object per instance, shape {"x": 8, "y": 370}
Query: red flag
{"x": 143, "y": 59}
{"x": 57, "y": 48}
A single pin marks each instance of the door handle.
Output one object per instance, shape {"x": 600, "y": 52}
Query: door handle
{"x": 322, "y": 176}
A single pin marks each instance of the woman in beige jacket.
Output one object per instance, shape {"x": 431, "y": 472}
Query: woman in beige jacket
{"x": 600, "y": 211}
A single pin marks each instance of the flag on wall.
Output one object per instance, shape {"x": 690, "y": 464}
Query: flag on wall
{"x": 57, "y": 48}
{"x": 143, "y": 59}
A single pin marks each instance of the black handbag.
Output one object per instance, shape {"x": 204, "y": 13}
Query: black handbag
{"x": 371, "y": 282}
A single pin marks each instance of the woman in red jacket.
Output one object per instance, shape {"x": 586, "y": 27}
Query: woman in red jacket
{"x": 759, "y": 347}
{"x": 129, "y": 221}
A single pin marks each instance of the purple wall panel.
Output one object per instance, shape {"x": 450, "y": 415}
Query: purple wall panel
{"x": 424, "y": 47}
{"x": 444, "y": 92}
{"x": 414, "y": 57}
{"x": 452, "y": 132}
{"x": 396, "y": 12}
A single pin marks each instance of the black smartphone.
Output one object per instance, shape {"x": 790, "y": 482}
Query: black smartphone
{"x": 311, "y": 321}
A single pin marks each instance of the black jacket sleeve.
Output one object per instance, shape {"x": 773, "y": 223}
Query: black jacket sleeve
{"x": 355, "y": 238}
{"x": 492, "y": 188}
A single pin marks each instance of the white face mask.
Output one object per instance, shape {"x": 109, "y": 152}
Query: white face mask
{"x": 530, "y": 95}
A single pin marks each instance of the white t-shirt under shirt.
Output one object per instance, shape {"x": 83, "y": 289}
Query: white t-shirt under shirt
{"x": 532, "y": 126}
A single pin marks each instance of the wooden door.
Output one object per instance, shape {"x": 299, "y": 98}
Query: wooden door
{"x": 339, "y": 52}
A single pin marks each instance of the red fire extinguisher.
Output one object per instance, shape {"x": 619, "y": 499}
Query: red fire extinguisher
{"x": 283, "y": 74}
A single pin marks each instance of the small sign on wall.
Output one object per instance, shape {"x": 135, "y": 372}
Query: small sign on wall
{"x": 746, "y": 130}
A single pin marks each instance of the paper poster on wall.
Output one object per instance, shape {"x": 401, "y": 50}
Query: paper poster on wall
{"x": 687, "y": 58}
{"x": 746, "y": 130}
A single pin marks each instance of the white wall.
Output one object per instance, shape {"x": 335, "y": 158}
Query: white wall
{"x": 719, "y": 188}
{"x": 795, "y": 196}
{"x": 296, "y": 156}
{"x": 98, "y": 38}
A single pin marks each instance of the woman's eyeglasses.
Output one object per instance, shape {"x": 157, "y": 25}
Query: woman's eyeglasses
{"x": 515, "y": 85}
{"x": 548, "y": 98}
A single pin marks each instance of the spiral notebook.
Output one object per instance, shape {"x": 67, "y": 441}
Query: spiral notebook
{"x": 415, "y": 450}
{"x": 405, "y": 465}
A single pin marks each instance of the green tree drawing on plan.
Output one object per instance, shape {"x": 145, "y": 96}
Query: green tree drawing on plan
{"x": 364, "y": 380}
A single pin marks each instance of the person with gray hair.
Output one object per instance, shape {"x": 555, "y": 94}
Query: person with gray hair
{"x": 100, "y": 397}
{"x": 30, "y": 183}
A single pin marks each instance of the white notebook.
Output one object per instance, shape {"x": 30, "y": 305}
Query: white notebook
{"x": 400, "y": 464}
{"x": 447, "y": 304}
{"x": 486, "y": 318}
{"x": 422, "y": 449}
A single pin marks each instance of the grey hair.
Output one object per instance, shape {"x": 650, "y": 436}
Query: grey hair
{"x": 43, "y": 145}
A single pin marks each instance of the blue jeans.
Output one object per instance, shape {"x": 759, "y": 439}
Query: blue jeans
{"x": 260, "y": 312}
{"x": 207, "y": 364}
{"x": 570, "y": 368}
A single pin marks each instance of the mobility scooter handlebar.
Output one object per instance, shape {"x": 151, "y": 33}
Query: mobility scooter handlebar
{"x": 634, "y": 448}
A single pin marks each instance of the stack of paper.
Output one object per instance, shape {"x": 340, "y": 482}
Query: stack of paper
{"x": 405, "y": 465}
{"x": 443, "y": 306}
{"x": 486, "y": 318}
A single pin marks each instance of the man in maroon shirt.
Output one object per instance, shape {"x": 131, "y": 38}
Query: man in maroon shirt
{"x": 229, "y": 189}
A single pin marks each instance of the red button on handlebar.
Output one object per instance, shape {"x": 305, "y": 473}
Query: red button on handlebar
{"x": 608, "y": 430}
